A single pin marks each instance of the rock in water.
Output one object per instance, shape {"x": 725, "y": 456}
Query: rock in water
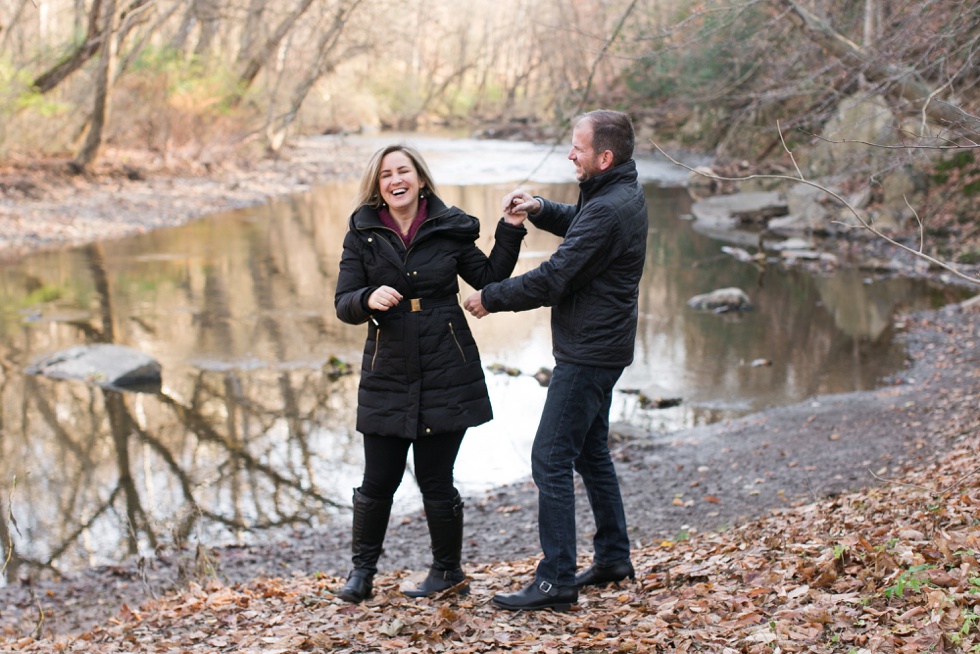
{"x": 106, "y": 365}
{"x": 722, "y": 300}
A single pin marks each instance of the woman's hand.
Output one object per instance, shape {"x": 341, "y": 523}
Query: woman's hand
{"x": 383, "y": 298}
{"x": 515, "y": 219}
{"x": 518, "y": 202}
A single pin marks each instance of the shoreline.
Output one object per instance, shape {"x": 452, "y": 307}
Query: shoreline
{"x": 44, "y": 208}
{"x": 675, "y": 486}
{"x": 706, "y": 479}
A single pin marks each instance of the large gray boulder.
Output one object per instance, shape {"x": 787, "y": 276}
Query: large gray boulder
{"x": 106, "y": 365}
{"x": 730, "y": 210}
{"x": 861, "y": 119}
{"x": 722, "y": 217}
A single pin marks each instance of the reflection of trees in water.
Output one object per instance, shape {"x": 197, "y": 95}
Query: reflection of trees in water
{"x": 231, "y": 458}
{"x": 111, "y": 474}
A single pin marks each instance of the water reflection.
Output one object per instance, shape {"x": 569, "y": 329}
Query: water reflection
{"x": 253, "y": 428}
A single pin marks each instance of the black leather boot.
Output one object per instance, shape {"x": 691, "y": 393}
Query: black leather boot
{"x": 445, "y": 519}
{"x": 368, "y": 536}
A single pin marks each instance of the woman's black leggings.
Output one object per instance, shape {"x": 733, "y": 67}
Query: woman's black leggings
{"x": 434, "y": 456}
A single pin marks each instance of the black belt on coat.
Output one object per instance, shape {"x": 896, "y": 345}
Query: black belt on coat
{"x": 416, "y": 304}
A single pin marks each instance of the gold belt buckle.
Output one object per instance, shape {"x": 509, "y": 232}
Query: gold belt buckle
{"x": 416, "y": 304}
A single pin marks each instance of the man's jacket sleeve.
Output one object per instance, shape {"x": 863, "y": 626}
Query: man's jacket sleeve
{"x": 590, "y": 242}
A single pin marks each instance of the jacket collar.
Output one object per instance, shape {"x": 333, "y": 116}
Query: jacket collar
{"x": 624, "y": 172}
{"x": 442, "y": 219}
{"x": 366, "y": 216}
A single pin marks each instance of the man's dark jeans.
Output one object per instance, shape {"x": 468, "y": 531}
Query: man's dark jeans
{"x": 573, "y": 435}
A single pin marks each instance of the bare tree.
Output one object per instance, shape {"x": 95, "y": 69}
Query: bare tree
{"x": 322, "y": 64}
{"x": 5, "y": 41}
{"x": 903, "y": 82}
{"x": 78, "y": 57}
{"x": 132, "y": 20}
{"x": 261, "y": 56}
{"x": 103, "y": 78}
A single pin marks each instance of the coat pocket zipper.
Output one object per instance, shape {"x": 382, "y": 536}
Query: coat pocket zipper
{"x": 377, "y": 342}
{"x": 459, "y": 347}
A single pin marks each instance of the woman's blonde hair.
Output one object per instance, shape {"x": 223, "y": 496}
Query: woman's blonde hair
{"x": 368, "y": 192}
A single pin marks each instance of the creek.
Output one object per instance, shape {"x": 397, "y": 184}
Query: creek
{"x": 253, "y": 431}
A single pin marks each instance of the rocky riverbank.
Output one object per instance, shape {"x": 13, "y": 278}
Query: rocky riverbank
{"x": 707, "y": 478}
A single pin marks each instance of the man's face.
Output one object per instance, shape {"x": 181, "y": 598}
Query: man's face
{"x": 582, "y": 154}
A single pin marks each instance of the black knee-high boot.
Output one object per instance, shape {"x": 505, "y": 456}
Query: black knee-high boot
{"x": 368, "y": 536}
{"x": 445, "y": 520}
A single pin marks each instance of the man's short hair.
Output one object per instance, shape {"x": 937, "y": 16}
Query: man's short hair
{"x": 613, "y": 131}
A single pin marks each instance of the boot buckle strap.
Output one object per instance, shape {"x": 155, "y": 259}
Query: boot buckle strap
{"x": 545, "y": 587}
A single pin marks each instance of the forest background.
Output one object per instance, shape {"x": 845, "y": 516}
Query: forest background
{"x": 763, "y": 86}
{"x": 95, "y": 89}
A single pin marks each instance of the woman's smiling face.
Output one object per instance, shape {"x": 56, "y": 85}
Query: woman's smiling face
{"x": 398, "y": 182}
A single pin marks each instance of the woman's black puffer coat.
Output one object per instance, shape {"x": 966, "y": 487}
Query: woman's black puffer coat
{"x": 421, "y": 371}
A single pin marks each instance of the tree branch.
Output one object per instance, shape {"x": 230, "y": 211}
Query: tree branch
{"x": 76, "y": 58}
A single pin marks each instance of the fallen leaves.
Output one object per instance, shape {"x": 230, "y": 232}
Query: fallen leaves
{"x": 894, "y": 568}
{"x": 805, "y": 579}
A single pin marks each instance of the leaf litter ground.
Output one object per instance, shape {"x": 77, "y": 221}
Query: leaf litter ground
{"x": 841, "y": 524}
{"x": 891, "y": 567}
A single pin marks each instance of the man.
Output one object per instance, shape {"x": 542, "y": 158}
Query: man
{"x": 591, "y": 282}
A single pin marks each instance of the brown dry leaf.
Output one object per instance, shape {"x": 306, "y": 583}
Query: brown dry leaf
{"x": 939, "y": 578}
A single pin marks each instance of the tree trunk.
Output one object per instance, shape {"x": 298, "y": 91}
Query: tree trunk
{"x": 183, "y": 32}
{"x": 103, "y": 83}
{"x": 251, "y": 32}
{"x": 901, "y": 82}
{"x": 870, "y": 23}
{"x": 276, "y": 130}
{"x": 208, "y": 14}
{"x": 77, "y": 58}
{"x": 255, "y": 64}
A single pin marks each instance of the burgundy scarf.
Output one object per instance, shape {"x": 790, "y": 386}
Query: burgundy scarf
{"x": 389, "y": 222}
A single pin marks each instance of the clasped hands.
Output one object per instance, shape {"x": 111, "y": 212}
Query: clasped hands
{"x": 516, "y": 207}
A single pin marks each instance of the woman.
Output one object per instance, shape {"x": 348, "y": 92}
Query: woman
{"x": 422, "y": 382}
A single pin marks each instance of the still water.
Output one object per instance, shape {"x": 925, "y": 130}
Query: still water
{"x": 252, "y": 432}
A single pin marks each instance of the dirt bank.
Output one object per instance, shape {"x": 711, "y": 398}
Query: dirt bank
{"x": 43, "y": 206}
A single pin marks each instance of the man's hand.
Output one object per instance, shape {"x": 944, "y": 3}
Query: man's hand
{"x": 519, "y": 201}
{"x": 474, "y": 304}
